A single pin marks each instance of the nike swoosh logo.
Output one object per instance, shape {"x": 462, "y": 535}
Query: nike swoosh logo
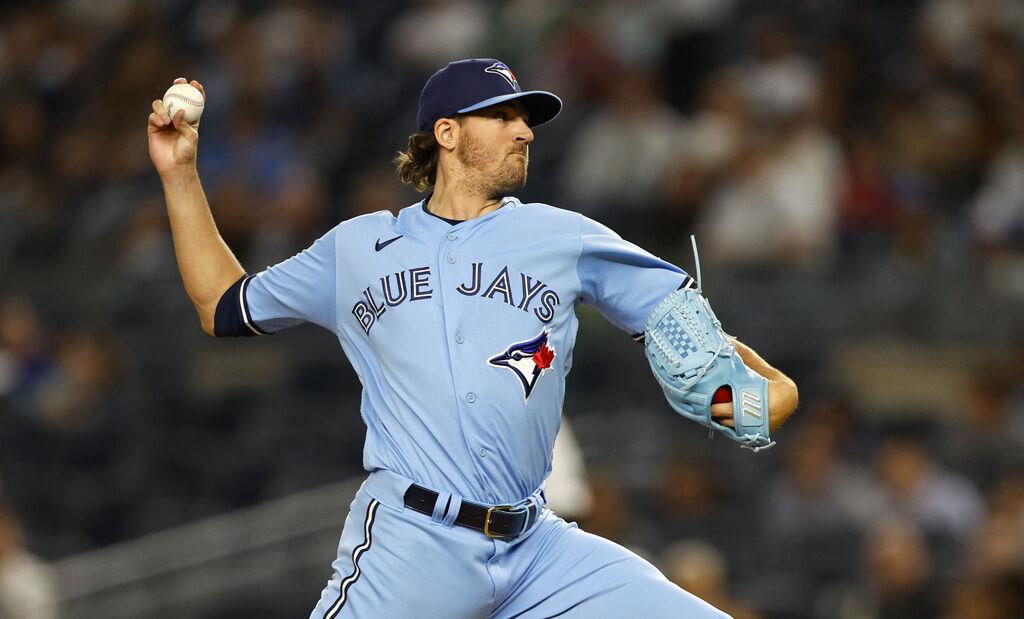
{"x": 381, "y": 246}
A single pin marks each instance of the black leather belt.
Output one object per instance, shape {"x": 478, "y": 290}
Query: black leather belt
{"x": 497, "y": 522}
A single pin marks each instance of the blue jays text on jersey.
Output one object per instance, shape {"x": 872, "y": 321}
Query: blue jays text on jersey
{"x": 462, "y": 335}
{"x": 414, "y": 285}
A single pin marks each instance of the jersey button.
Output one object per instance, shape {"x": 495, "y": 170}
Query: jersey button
{"x": 451, "y": 259}
{"x": 483, "y": 452}
{"x": 452, "y": 236}
{"x": 459, "y": 339}
{"x": 471, "y": 397}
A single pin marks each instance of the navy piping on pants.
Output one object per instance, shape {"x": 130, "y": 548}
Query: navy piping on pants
{"x": 357, "y": 552}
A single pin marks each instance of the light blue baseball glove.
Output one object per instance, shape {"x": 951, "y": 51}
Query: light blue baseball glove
{"x": 692, "y": 358}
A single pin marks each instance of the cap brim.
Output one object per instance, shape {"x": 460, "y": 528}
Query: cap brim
{"x": 541, "y": 106}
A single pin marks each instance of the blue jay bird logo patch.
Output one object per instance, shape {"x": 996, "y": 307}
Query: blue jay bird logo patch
{"x": 527, "y": 360}
{"x": 500, "y": 68}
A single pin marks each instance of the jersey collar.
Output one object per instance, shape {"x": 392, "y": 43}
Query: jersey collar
{"x": 426, "y": 209}
{"x": 417, "y": 219}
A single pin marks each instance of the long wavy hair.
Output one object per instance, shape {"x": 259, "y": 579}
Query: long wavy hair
{"x": 417, "y": 164}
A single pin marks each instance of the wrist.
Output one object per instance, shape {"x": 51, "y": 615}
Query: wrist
{"x": 180, "y": 177}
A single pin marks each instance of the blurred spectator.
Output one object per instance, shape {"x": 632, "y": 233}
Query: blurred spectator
{"x": 80, "y": 442}
{"x": 294, "y": 217}
{"x": 898, "y": 569}
{"x": 997, "y": 549}
{"x": 988, "y": 435}
{"x": 433, "y": 33}
{"x": 638, "y": 38}
{"x": 700, "y": 569}
{"x": 376, "y": 190}
{"x": 953, "y": 29}
{"x": 24, "y": 350}
{"x": 818, "y": 496}
{"x": 27, "y": 585}
{"x": 715, "y": 137}
{"x": 73, "y": 393}
{"x": 1015, "y": 396}
{"x": 689, "y": 500}
{"x": 818, "y": 507}
{"x": 613, "y": 520}
{"x": 997, "y": 210}
{"x": 898, "y": 579}
{"x": 778, "y": 81}
{"x": 985, "y": 599}
{"x": 615, "y": 167}
{"x": 778, "y": 204}
{"x": 867, "y": 207}
{"x": 941, "y": 503}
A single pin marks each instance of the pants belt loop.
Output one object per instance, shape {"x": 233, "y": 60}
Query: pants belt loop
{"x": 440, "y": 507}
{"x": 453, "y": 511}
{"x": 388, "y": 488}
{"x": 539, "y": 500}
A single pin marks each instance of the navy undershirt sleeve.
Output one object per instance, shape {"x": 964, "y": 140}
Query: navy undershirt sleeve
{"x": 230, "y": 318}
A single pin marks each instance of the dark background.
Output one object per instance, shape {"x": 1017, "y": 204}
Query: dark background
{"x": 854, "y": 171}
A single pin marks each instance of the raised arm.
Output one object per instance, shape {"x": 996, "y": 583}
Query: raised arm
{"x": 208, "y": 266}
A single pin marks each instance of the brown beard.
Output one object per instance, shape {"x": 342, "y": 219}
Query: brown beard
{"x": 510, "y": 176}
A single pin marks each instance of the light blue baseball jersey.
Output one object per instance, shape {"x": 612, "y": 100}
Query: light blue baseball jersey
{"x": 462, "y": 335}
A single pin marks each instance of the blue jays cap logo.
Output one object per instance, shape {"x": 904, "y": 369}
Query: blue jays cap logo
{"x": 500, "y": 68}
{"x": 527, "y": 360}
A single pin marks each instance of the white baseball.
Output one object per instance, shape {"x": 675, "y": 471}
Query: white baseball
{"x": 184, "y": 97}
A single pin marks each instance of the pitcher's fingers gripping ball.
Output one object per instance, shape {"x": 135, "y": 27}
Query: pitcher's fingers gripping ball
{"x": 693, "y": 359}
{"x": 182, "y": 96}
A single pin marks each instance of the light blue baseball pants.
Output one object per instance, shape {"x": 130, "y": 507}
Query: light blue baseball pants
{"x": 394, "y": 562}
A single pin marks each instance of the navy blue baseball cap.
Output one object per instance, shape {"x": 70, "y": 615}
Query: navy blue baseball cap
{"x": 469, "y": 85}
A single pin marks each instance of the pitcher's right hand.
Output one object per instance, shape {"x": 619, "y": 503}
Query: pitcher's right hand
{"x": 173, "y": 143}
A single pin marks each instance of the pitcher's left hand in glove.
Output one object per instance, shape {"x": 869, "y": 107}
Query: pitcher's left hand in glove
{"x": 692, "y": 358}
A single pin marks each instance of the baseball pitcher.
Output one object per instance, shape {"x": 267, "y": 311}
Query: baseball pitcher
{"x": 458, "y": 316}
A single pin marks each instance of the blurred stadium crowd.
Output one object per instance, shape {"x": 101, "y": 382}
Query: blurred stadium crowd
{"x": 853, "y": 169}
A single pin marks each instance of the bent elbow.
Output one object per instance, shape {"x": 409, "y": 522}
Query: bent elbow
{"x": 206, "y": 320}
